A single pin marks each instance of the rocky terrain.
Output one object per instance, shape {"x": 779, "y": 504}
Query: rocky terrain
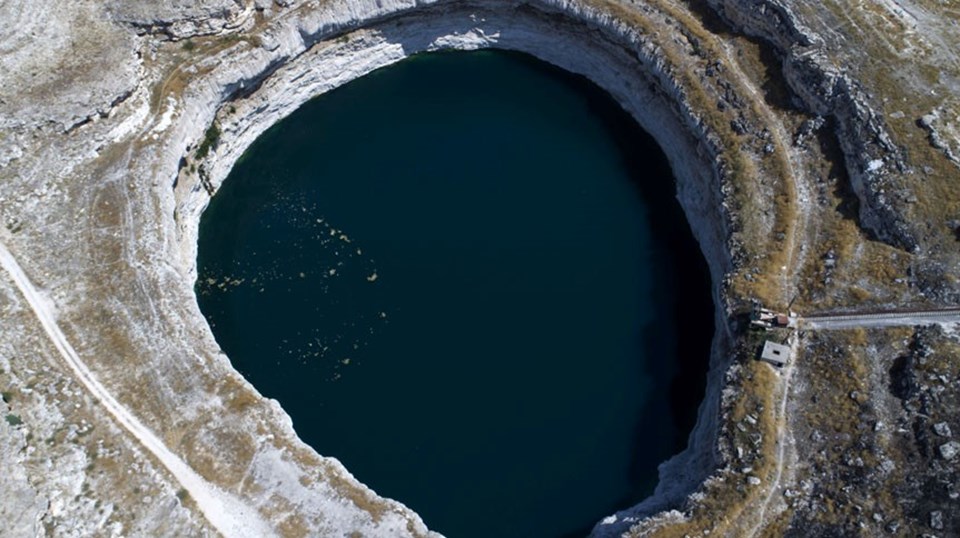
{"x": 815, "y": 147}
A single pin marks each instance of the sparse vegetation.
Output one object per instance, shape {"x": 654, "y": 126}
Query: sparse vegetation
{"x": 229, "y": 39}
{"x": 866, "y": 399}
{"x": 866, "y": 440}
{"x": 210, "y": 140}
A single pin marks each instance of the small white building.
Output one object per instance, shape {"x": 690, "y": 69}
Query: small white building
{"x": 774, "y": 353}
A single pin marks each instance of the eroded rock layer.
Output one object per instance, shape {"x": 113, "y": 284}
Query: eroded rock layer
{"x": 811, "y": 178}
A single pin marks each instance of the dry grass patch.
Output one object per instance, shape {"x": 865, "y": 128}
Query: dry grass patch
{"x": 360, "y": 497}
{"x": 294, "y": 526}
{"x": 724, "y": 505}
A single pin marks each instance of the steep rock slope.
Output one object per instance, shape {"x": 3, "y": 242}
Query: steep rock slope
{"x": 788, "y": 167}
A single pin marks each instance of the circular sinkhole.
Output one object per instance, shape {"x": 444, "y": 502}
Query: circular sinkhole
{"x": 466, "y": 277}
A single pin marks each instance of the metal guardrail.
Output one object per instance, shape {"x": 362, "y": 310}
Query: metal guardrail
{"x": 883, "y": 315}
{"x": 877, "y": 319}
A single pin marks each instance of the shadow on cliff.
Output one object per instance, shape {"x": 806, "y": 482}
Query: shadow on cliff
{"x": 682, "y": 334}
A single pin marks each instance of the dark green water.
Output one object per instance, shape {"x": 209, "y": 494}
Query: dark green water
{"x": 461, "y": 276}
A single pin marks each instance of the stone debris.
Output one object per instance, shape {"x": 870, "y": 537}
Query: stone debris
{"x": 942, "y": 429}
{"x": 80, "y": 91}
{"x": 936, "y": 520}
{"x": 948, "y": 451}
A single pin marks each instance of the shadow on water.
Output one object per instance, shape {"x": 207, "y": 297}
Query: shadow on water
{"x": 690, "y": 310}
{"x": 685, "y": 273}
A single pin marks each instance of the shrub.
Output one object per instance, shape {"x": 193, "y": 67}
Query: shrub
{"x": 210, "y": 140}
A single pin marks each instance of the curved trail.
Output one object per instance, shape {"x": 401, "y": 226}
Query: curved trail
{"x": 781, "y": 442}
{"x": 794, "y": 259}
{"x": 230, "y": 516}
{"x": 839, "y": 322}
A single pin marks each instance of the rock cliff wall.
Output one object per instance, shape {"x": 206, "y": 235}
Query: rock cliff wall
{"x": 118, "y": 255}
{"x": 104, "y": 107}
{"x": 323, "y": 49}
{"x": 872, "y": 160}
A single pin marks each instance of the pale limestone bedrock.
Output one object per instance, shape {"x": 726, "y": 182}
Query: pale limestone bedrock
{"x": 538, "y": 31}
{"x": 88, "y": 163}
{"x": 118, "y": 268}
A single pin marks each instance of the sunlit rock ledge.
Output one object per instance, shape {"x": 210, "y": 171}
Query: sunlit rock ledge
{"x": 540, "y": 31}
{"x": 102, "y": 182}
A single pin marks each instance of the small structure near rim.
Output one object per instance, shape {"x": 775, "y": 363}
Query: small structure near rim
{"x": 774, "y": 353}
{"x": 766, "y": 319}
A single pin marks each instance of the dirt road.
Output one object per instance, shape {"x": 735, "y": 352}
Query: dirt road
{"x": 230, "y": 516}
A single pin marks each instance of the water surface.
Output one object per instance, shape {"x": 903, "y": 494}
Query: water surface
{"x": 462, "y": 276}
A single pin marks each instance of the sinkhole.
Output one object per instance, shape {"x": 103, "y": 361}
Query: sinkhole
{"x": 466, "y": 276}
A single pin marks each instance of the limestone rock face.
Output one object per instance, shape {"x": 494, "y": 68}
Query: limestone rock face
{"x": 63, "y": 63}
{"x": 812, "y": 177}
{"x": 827, "y": 90}
{"x": 22, "y": 505}
{"x": 179, "y": 19}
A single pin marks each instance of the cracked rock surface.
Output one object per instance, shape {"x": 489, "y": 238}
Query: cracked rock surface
{"x": 813, "y": 145}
